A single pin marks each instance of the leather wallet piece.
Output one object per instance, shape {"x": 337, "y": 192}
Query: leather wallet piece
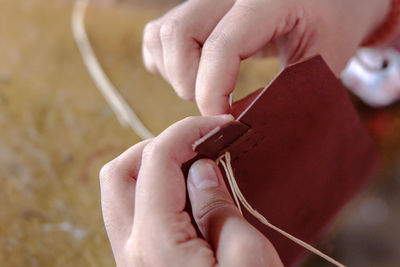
{"x": 299, "y": 153}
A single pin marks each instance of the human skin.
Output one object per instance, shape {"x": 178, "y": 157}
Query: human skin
{"x": 198, "y": 45}
{"x": 143, "y": 194}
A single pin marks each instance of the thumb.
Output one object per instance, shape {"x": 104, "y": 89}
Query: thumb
{"x": 209, "y": 197}
{"x": 224, "y": 228}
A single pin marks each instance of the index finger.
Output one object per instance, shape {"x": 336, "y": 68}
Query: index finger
{"x": 161, "y": 189}
{"x": 245, "y": 29}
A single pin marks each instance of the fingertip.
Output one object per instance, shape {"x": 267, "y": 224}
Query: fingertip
{"x": 214, "y": 107}
{"x": 215, "y": 82}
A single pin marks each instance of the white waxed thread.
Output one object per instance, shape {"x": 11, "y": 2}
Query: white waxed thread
{"x": 121, "y": 109}
{"x": 225, "y": 160}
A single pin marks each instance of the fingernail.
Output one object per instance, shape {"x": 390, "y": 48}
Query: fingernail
{"x": 203, "y": 175}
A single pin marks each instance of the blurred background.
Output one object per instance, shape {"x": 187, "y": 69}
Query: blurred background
{"x": 57, "y": 131}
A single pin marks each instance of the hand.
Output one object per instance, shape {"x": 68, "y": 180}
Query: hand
{"x": 197, "y": 46}
{"x": 143, "y": 195}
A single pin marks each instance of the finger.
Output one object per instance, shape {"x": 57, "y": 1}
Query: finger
{"x": 117, "y": 186}
{"x": 152, "y": 49}
{"x": 148, "y": 61}
{"x": 183, "y": 33}
{"x": 228, "y": 44}
{"x": 221, "y": 223}
{"x": 161, "y": 186}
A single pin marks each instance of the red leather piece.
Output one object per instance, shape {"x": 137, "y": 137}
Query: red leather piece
{"x": 219, "y": 138}
{"x": 305, "y": 155}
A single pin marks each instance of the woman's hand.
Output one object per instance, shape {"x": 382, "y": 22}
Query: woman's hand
{"x": 197, "y": 46}
{"x": 143, "y": 195}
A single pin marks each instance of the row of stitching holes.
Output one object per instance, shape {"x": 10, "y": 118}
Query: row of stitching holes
{"x": 251, "y": 145}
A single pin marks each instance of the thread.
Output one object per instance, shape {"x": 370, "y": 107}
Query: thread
{"x": 125, "y": 115}
{"x": 225, "y": 160}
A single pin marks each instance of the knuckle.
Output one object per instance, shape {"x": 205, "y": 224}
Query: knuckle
{"x": 151, "y": 34}
{"x": 215, "y": 45}
{"x": 105, "y": 171}
{"x": 152, "y": 149}
{"x": 213, "y": 207}
{"x": 111, "y": 169}
{"x": 170, "y": 29}
{"x": 148, "y": 150}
